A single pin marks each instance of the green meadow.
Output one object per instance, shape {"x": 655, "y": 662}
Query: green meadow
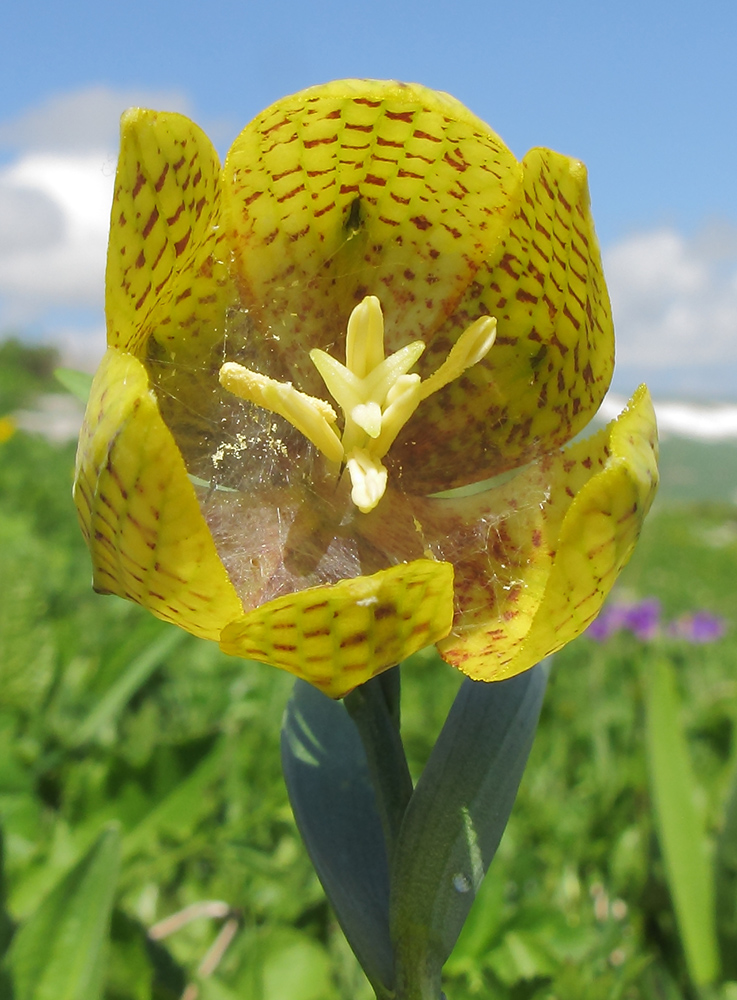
{"x": 140, "y": 776}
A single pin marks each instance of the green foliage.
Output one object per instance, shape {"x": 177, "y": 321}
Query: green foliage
{"x": 25, "y": 371}
{"x": 725, "y": 878}
{"x": 680, "y": 827}
{"x": 60, "y": 953}
{"x": 76, "y": 382}
{"x": 695, "y": 471}
{"x": 109, "y": 716}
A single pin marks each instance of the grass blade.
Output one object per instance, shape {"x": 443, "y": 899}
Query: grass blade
{"x": 725, "y": 879}
{"x": 60, "y": 952}
{"x": 75, "y": 382}
{"x": 680, "y": 829}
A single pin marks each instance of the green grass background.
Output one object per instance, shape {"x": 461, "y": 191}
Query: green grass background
{"x": 107, "y": 714}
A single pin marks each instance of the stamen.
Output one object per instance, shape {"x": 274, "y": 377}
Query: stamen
{"x": 342, "y": 384}
{"x": 472, "y": 345}
{"x": 382, "y": 378}
{"x": 364, "y": 342}
{"x": 311, "y": 416}
{"x": 403, "y": 399}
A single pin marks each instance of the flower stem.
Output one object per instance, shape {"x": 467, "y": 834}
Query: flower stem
{"x": 421, "y": 985}
{"x": 374, "y": 708}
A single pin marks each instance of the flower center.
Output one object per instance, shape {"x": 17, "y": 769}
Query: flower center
{"x": 376, "y": 394}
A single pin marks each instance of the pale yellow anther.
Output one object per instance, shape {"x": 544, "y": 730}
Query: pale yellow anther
{"x": 472, "y": 345}
{"x": 342, "y": 384}
{"x": 400, "y": 388}
{"x": 364, "y": 342}
{"x": 311, "y": 416}
{"x": 378, "y": 384}
{"x": 403, "y": 399}
{"x": 376, "y": 394}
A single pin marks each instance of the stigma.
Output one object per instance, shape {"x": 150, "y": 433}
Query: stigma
{"x": 376, "y": 394}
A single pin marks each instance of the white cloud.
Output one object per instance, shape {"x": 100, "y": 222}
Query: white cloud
{"x": 675, "y": 299}
{"x": 55, "y": 196}
{"x": 54, "y": 215}
{"x": 83, "y": 120}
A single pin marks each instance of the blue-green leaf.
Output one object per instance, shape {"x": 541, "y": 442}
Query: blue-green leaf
{"x": 59, "y": 953}
{"x": 328, "y": 783}
{"x": 456, "y": 818}
{"x": 680, "y": 828}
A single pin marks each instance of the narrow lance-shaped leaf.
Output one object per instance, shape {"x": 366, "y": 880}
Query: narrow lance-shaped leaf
{"x": 456, "y": 818}
{"x": 330, "y": 791}
{"x": 680, "y": 828}
{"x": 725, "y": 880}
{"x": 6, "y": 923}
{"x": 59, "y": 954}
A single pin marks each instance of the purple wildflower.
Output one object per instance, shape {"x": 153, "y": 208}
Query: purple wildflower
{"x": 642, "y": 619}
{"x": 600, "y": 628}
{"x": 698, "y": 628}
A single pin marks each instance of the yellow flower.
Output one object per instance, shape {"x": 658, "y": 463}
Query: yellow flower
{"x": 371, "y": 247}
{"x": 7, "y": 428}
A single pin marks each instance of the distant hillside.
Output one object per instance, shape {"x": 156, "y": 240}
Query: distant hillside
{"x": 698, "y": 470}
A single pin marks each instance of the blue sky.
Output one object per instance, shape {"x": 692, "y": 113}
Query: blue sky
{"x": 643, "y": 92}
